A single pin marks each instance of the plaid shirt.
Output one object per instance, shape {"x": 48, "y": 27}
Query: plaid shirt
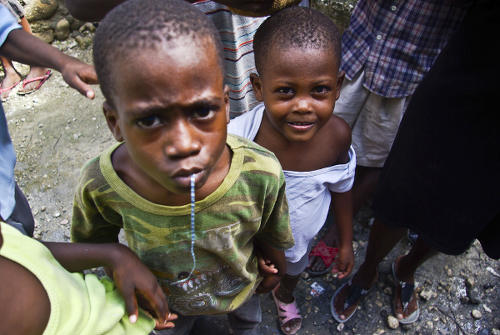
{"x": 396, "y": 42}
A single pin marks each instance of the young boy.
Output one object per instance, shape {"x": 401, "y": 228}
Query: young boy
{"x": 297, "y": 56}
{"x": 34, "y": 277}
{"x": 161, "y": 74}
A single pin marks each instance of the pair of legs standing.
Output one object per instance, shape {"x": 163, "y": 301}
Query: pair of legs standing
{"x": 12, "y": 78}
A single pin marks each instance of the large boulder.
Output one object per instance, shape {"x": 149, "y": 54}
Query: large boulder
{"x": 40, "y": 9}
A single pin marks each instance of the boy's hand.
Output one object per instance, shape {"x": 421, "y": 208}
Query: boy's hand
{"x": 344, "y": 262}
{"x": 79, "y": 76}
{"x": 132, "y": 277}
{"x": 266, "y": 267}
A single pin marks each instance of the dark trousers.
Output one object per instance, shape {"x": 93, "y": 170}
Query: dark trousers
{"x": 22, "y": 218}
{"x": 243, "y": 321}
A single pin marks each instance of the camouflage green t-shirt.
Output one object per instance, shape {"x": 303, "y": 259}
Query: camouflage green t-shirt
{"x": 249, "y": 204}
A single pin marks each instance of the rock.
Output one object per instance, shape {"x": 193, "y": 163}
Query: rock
{"x": 340, "y": 326}
{"x": 392, "y": 322}
{"x": 43, "y": 208}
{"x": 87, "y": 26}
{"x": 62, "y": 30}
{"x": 469, "y": 282}
{"x": 388, "y": 290}
{"x": 41, "y": 9}
{"x": 495, "y": 331}
{"x": 486, "y": 308}
{"x": 429, "y": 325}
{"x": 46, "y": 36}
{"x": 56, "y": 214}
{"x": 75, "y": 24}
{"x": 476, "y": 314}
{"x": 65, "y": 222}
{"x": 304, "y": 275}
{"x": 84, "y": 42}
{"x": 474, "y": 295}
{"x": 427, "y": 294}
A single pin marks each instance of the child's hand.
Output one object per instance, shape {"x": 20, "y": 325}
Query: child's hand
{"x": 344, "y": 262}
{"x": 266, "y": 267}
{"x": 132, "y": 277}
{"x": 79, "y": 75}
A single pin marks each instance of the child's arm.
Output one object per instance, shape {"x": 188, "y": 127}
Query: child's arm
{"x": 272, "y": 265}
{"x": 129, "y": 274}
{"x": 342, "y": 209}
{"x": 25, "y": 48}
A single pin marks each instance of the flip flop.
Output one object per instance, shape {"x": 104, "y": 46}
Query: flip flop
{"x": 8, "y": 89}
{"x": 354, "y": 298}
{"x": 287, "y": 312}
{"x": 41, "y": 79}
{"x": 327, "y": 255}
{"x": 407, "y": 294}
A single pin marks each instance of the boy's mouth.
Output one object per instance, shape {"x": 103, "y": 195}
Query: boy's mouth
{"x": 301, "y": 125}
{"x": 183, "y": 177}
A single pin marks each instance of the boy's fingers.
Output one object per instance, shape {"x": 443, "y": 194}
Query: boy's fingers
{"x": 130, "y": 305}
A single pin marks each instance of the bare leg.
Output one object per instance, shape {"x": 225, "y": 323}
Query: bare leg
{"x": 364, "y": 186}
{"x": 11, "y": 77}
{"x": 284, "y": 293}
{"x": 404, "y": 268}
{"x": 382, "y": 239}
{"x": 35, "y": 71}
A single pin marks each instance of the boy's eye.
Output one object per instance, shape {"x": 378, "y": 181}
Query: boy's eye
{"x": 285, "y": 90}
{"x": 149, "y": 121}
{"x": 321, "y": 89}
{"x": 203, "y": 113}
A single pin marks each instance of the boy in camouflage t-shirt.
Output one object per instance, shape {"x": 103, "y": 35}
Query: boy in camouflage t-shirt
{"x": 167, "y": 105}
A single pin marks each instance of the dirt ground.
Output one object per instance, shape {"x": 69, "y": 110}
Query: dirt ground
{"x": 56, "y": 130}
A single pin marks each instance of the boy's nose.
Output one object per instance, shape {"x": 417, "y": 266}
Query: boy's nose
{"x": 303, "y": 105}
{"x": 182, "y": 142}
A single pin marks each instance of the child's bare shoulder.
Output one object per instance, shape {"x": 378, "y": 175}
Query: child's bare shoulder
{"x": 339, "y": 133}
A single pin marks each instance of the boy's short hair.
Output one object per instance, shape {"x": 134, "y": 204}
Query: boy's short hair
{"x": 137, "y": 26}
{"x": 296, "y": 27}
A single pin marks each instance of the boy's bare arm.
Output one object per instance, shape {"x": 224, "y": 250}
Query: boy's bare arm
{"x": 25, "y": 48}
{"x": 342, "y": 209}
{"x": 276, "y": 257}
{"x": 129, "y": 274}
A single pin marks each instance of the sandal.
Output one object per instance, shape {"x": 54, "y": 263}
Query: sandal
{"x": 286, "y": 313}
{"x": 406, "y": 292}
{"x": 41, "y": 79}
{"x": 7, "y": 90}
{"x": 354, "y": 298}
{"x": 327, "y": 255}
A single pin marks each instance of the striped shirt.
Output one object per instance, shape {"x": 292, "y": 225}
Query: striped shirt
{"x": 236, "y": 33}
{"x": 396, "y": 42}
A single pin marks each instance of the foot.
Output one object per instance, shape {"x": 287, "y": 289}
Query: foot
{"x": 289, "y": 316}
{"x": 405, "y": 301}
{"x": 10, "y": 81}
{"x": 34, "y": 80}
{"x": 316, "y": 263}
{"x": 348, "y": 297}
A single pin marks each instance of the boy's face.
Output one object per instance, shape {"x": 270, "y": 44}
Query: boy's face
{"x": 171, "y": 109}
{"x": 299, "y": 88}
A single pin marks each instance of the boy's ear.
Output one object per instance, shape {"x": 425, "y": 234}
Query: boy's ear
{"x": 226, "y": 102}
{"x": 112, "y": 120}
{"x": 340, "y": 80}
{"x": 257, "y": 86}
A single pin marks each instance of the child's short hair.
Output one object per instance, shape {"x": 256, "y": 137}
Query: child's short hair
{"x": 137, "y": 26}
{"x": 296, "y": 27}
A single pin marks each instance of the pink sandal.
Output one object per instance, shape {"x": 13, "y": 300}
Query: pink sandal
{"x": 286, "y": 313}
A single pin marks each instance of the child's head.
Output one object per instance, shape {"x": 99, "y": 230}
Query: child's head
{"x": 297, "y": 55}
{"x": 160, "y": 69}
